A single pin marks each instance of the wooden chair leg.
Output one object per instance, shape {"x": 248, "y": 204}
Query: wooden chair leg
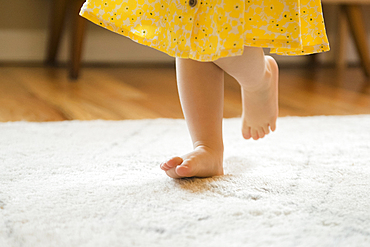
{"x": 312, "y": 60}
{"x": 78, "y": 32}
{"x": 358, "y": 29}
{"x": 58, "y": 14}
{"x": 342, "y": 41}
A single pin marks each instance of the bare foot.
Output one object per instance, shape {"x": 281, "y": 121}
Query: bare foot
{"x": 260, "y": 104}
{"x": 202, "y": 162}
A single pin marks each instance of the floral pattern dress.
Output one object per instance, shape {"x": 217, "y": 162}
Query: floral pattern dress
{"x": 206, "y": 30}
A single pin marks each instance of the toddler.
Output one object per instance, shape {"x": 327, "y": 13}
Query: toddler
{"x": 208, "y": 38}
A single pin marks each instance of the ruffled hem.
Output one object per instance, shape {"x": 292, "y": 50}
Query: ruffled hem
{"x": 276, "y": 46}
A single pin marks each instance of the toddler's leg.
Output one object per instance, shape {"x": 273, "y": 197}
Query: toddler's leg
{"x": 201, "y": 90}
{"x": 258, "y": 76}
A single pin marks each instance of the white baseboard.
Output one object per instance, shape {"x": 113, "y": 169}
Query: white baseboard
{"x": 102, "y": 46}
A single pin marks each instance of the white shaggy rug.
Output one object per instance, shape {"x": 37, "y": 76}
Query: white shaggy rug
{"x": 98, "y": 183}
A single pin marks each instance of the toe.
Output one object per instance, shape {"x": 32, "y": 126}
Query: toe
{"x": 162, "y": 166}
{"x": 183, "y": 171}
{"x": 273, "y": 126}
{"x": 247, "y": 133}
{"x": 261, "y": 133}
{"x": 172, "y": 173}
{"x": 266, "y": 129}
{"x": 186, "y": 169}
{"x": 173, "y": 162}
{"x": 254, "y": 134}
{"x": 165, "y": 167}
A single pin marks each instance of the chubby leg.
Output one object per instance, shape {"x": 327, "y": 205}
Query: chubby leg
{"x": 201, "y": 90}
{"x": 257, "y": 75}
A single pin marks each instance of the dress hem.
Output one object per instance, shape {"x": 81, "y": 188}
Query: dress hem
{"x": 305, "y": 50}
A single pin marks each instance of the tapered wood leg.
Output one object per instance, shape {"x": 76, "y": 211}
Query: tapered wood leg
{"x": 358, "y": 29}
{"x": 78, "y": 33}
{"x": 58, "y": 14}
{"x": 342, "y": 41}
{"x": 312, "y": 60}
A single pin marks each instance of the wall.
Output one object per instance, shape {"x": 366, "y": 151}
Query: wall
{"x": 23, "y": 37}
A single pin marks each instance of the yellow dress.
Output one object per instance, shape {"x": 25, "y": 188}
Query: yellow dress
{"x": 206, "y": 30}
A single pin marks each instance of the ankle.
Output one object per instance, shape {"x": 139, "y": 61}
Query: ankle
{"x": 262, "y": 84}
{"x": 212, "y": 148}
{"x": 257, "y": 81}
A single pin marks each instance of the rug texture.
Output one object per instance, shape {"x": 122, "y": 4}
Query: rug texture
{"x": 98, "y": 183}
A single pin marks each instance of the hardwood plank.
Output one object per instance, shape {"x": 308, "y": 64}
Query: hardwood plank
{"x": 18, "y": 104}
{"x": 93, "y": 97}
{"x": 46, "y": 94}
{"x": 319, "y": 95}
{"x": 160, "y": 85}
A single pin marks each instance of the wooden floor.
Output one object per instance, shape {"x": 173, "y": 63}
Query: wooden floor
{"x": 45, "y": 94}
